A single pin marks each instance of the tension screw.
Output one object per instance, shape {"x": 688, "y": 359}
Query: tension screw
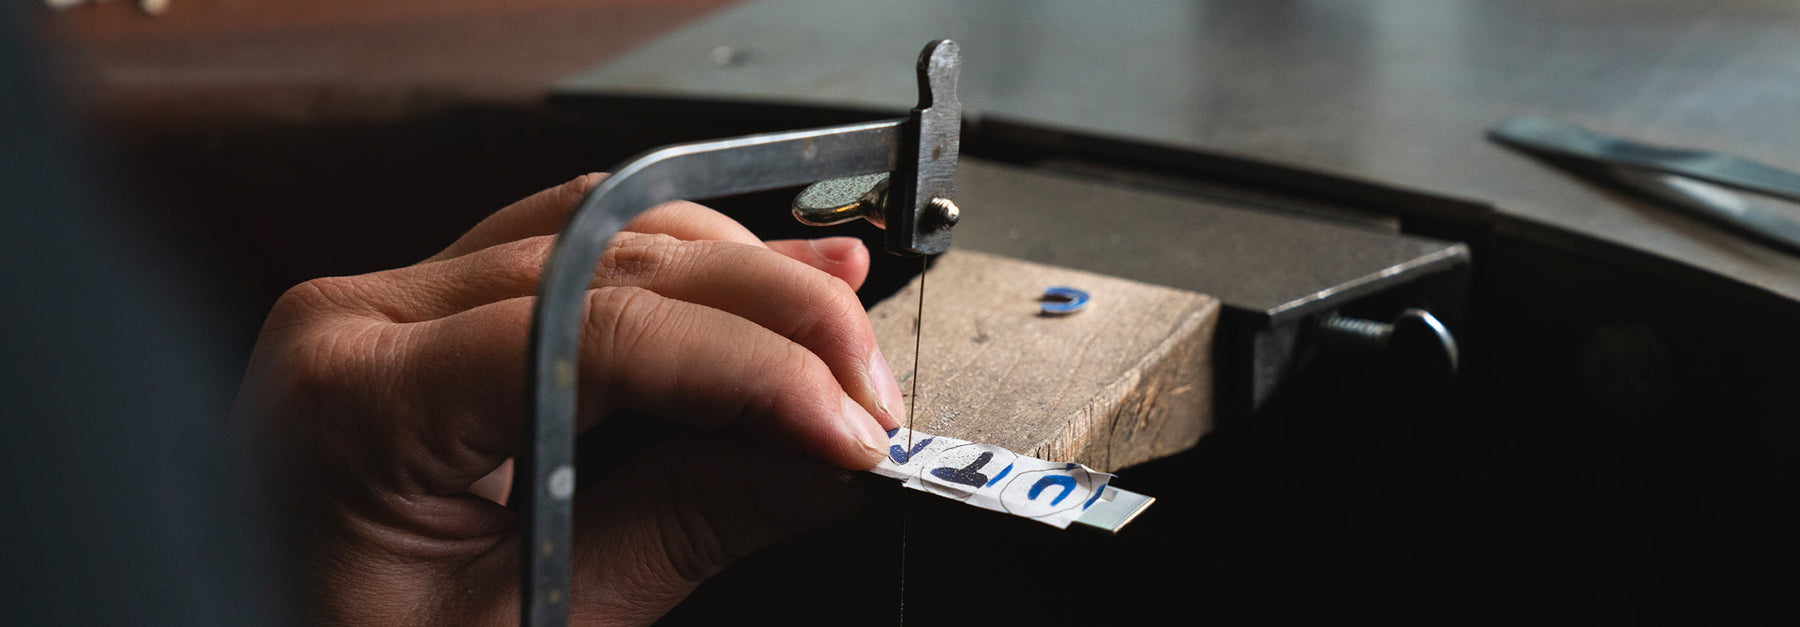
{"x": 945, "y": 211}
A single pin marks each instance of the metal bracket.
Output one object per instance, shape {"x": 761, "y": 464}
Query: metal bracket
{"x": 920, "y": 208}
{"x": 916, "y": 206}
{"x": 921, "y": 152}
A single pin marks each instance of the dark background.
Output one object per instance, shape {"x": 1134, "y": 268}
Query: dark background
{"x": 1621, "y": 448}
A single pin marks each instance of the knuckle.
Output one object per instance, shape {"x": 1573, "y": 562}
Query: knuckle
{"x": 320, "y": 295}
{"x": 637, "y": 258}
{"x": 323, "y": 337}
{"x": 787, "y": 361}
{"x": 522, "y": 260}
{"x": 678, "y": 211}
{"x": 780, "y": 374}
{"x": 314, "y": 301}
{"x": 828, "y": 311}
{"x": 581, "y": 185}
{"x": 800, "y": 370}
{"x": 805, "y": 368}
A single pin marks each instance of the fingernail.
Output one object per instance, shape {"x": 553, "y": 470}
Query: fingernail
{"x": 836, "y": 248}
{"x": 887, "y": 390}
{"x": 863, "y": 425}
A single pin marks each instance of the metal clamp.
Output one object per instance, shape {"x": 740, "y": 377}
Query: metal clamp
{"x": 916, "y": 206}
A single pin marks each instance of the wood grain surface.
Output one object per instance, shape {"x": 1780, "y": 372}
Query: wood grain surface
{"x": 1127, "y": 380}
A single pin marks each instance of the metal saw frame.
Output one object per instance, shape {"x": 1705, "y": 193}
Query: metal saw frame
{"x": 920, "y": 150}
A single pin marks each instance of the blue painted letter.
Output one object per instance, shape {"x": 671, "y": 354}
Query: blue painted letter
{"x": 1000, "y": 476}
{"x": 900, "y": 455}
{"x": 966, "y": 475}
{"x": 1067, "y": 483}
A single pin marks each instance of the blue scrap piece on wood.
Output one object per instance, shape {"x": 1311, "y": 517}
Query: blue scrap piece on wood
{"x": 1062, "y": 301}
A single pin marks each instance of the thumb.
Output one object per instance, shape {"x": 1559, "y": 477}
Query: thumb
{"x": 648, "y": 534}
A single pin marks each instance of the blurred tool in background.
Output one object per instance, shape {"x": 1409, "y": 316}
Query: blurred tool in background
{"x": 122, "y": 503}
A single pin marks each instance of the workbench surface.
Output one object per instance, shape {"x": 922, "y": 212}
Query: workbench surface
{"x": 1365, "y": 98}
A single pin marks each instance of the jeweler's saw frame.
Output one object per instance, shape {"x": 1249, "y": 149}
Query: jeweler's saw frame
{"x": 920, "y": 150}
{"x": 900, "y": 174}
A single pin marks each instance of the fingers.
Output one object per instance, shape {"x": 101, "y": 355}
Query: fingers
{"x": 787, "y": 297}
{"x": 545, "y": 213}
{"x": 509, "y": 249}
{"x": 771, "y": 289}
{"x": 512, "y": 269}
{"x": 843, "y": 257}
{"x": 684, "y": 220}
{"x": 542, "y": 213}
{"x": 436, "y": 289}
{"x": 639, "y": 350}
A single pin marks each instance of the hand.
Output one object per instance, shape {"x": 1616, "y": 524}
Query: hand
{"x": 389, "y": 406}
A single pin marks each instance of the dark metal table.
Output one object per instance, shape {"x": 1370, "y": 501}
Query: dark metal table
{"x": 1374, "y": 101}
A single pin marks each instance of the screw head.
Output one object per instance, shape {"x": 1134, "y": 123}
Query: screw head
{"x": 945, "y": 212}
{"x": 562, "y": 483}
